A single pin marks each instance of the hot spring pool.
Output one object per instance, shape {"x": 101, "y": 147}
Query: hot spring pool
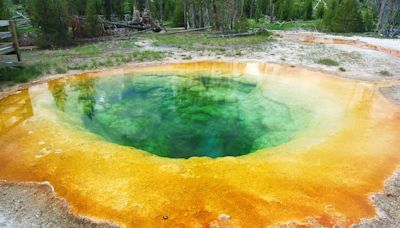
{"x": 265, "y": 144}
{"x": 181, "y": 116}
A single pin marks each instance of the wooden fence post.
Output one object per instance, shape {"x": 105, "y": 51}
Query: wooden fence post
{"x": 15, "y": 39}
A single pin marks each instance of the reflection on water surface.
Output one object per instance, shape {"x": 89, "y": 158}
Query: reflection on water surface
{"x": 176, "y": 116}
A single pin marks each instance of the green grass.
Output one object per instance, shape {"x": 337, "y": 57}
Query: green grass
{"x": 181, "y": 40}
{"x": 291, "y": 25}
{"x": 147, "y": 55}
{"x": 61, "y": 70}
{"x": 117, "y": 59}
{"x": 327, "y": 62}
{"x": 126, "y": 44}
{"x": 84, "y": 57}
{"x": 208, "y": 41}
{"x": 21, "y": 75}
{"x": 87, "y": 50}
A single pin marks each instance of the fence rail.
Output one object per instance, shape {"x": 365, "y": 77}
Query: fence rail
{"x": 9, "y": 47}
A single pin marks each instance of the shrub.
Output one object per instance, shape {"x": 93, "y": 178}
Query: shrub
{"x": 23, "y": 74}
{"x": 385, "y": 73}
{"x": 328, "y": 62}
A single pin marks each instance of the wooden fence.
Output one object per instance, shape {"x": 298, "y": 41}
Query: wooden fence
{"x": 9, "y": 47}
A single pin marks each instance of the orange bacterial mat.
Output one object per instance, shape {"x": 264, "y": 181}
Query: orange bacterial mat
{"x": 324, "y": 174}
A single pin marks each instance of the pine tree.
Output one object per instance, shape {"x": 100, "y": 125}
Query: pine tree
{"x": 368, "y": 20}
{"x": 320, "y": 11}
{"x": 178, "y": 16}
{"x": 107, "y": 7}
{"x": 347, "y": 17}
{"x": 308, "y": 10}
{"x": 50, "y": 19}
{"x": 285, "y": 10}
{"x": 118, "y": 8}
{"x": 77, "y": 7}
{"x": 92, "y": 24}
{"x": 329, "y": 15}
{"x": 4, "y": 12}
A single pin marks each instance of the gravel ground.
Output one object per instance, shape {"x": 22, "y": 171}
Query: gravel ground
{"x": 35, "y": 205}
{"x": 387, "y": 206}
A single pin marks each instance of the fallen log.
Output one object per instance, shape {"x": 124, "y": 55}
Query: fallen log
{"x": 132, "y": 26}
{"x": 187, "y": 31}
{"x": 235, "y": 35}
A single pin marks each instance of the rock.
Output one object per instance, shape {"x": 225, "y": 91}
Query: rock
{"x": 224, "y": 217}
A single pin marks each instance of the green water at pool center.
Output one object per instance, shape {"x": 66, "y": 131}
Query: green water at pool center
{"x": 179, "y": 116}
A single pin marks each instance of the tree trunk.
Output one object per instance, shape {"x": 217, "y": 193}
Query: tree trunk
{"x": 148, "y": 4}
{"x": 381, "y": 15}
{"x": 251, "y": 11}
{"x": 161, "y": 10}
{"x": 388, "y": 11}
{"x": 272, "y": 19}
{"x": 193, "y": 16}
{"x": 185, "y": 13}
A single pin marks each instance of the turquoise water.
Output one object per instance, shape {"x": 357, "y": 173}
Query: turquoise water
{"x": 180, "y": 116}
